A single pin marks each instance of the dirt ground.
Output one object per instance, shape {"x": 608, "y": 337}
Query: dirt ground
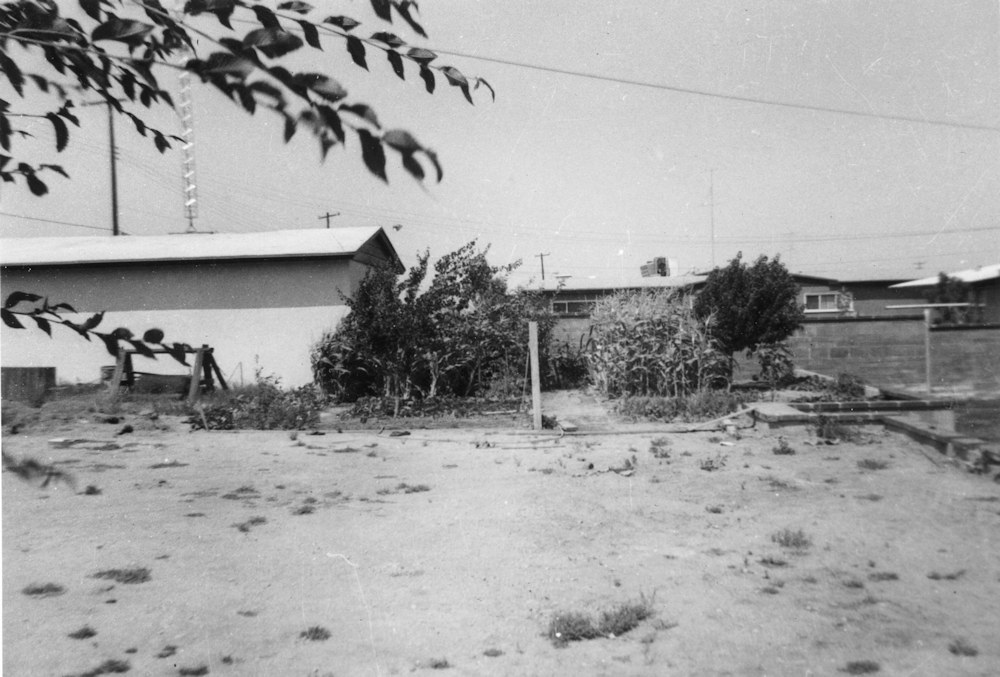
{"x": 451, "y": 550}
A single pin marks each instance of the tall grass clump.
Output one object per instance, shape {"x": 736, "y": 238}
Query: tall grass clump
{"x": 649, "y": 343}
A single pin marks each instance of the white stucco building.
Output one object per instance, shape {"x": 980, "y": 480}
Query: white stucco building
{"x": 261, "y": 300}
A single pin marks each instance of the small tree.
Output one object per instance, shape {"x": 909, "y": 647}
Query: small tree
{"x": 751, "y": 305}
{"x": 950, "y": 290}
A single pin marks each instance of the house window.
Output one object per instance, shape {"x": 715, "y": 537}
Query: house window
{"x": 832, "y": 302}
{"x": 572, "y": 307}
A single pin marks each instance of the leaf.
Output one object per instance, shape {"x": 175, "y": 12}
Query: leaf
{"x": 397, "y": 63}
{"x": 390, "y": 39}
{"x": 266, "y": 17}
{"x": 16, "y": 297}
{"x": 312, "y": 35}
{"x": 343, "y": 22}
{"x": 383, "y": 10}
{"x": 404, "y": 11}
{"x": 63, "y": 112}
{"x": 224, "y": 63}
{"x": 62, "y": 133}
{"x": 142, "y": 348}
{"x": 246, "y": 98}
{"x": 110, "y": 342}
{"x": 401, "y": 140}
{"x": 77, "y": 328}
{"x": 222, "y": 9}
{"x": 325, "y": 86}
{"x": 12, "y": 72}
{"x": 153, "y": 336}
{"x": 290, "y": 127}
{"x": 43, "y": 324}
{"x": 273, "y": 41}
{"x": 421, "y": 55}
{"x": 121, "y": 30}
{"x": 56, "y": 168}
{"x": 92, "y": 321}
{"x": 456, "y": 78}
{"x": 356, "y": 49}
{"x": 178, "y": 352}
{"x": 413, "y": 167}
{"x": 5, "y": 132}
{"x": 122, "y": 333}
{"x": 363, "y": 111}
{"x": 161, "y": 142}
{"x": 296, "y": 6}
{"x": 373, "y": 154}
{"x": 62, "y": 306}
{"x": 332, "y": 122}
{"x": 10, "y": 319}
{"x": 481, "y": 81}
{"x": 428, "y": 77}
{"x": 36, "y": 185}
{"x": 140, "y": 126}
{"x": 92, "y": 8}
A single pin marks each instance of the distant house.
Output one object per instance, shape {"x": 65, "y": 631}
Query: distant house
{"x": 826, "y": 298}
{"x": 261, "y": 300}
{"x": 984, "y": 287}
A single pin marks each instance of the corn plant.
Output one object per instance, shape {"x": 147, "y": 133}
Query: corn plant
{"x": 650, "y": 343}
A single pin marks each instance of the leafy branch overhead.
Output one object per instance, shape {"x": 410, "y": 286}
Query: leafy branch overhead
{"x": 21, "y": 305}
{"x": 118, "y": 50}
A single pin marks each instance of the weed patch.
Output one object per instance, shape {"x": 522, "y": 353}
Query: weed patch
{"x": 953, "y": 576}
{"x": 880, "y": 576}
{"x": 43, "y": 590}
{"x": 575, "y": 626}
{"x": 872, "y": 464}
{"x": 962, "y": 648}
{"x": 660, "y": 447}
{"x": 194, "y": 672}
{"x": 85, "y": 632}
{"x": 782, "y": 448}
{"x": 315, "y": 634}
{"x": 250, "y": 523}
{"x": 861, "y": 667}
{"x": 797, "y": 540}
{"x": 125, "y": 576}
{"x": 712, "y": 464}
{"x": 108, "y": 667}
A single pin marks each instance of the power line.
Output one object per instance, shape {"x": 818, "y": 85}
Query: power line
{"x": 61, "y": 223}
{"x": 727, "y": 97}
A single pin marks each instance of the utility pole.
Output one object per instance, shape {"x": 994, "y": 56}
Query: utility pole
{"x": 541, "y": 257}
{"x": 328, "y": 216}
{"x": 711, "y": 210}
{"x": 114, "y": 171}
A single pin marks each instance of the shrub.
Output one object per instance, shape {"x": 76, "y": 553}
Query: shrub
{"x": 463, "y": 334}
{"x": 787, "y": 538}
{"x": 649, "y": 343}
{"x": 263, "y": 406}
{"x": 699, "y": 406}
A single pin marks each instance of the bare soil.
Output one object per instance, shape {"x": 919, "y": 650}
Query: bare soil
{"x": 360, "y": 553}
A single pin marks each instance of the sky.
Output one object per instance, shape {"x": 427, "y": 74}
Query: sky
{"x": 857, "y": 140}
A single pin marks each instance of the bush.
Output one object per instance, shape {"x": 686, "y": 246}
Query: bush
{"x": 699, "y": 406}
{"x": 463, "y": 334}
{"x": 263, "y": 406}
{"x": 650, "y": 344}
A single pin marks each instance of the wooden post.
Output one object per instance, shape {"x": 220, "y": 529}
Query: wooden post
{"x": 536, "y": 383}
{"x": 927, "y": 347}
{"x": 196, "y": 370}
{"x": 116, "y": 378}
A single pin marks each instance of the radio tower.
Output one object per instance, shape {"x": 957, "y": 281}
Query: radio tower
{"x": 187, "y": 120}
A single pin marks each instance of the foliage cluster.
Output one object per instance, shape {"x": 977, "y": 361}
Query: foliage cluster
{"x": 262, "y": 406}
{"x": 952, "y": 290}
{"x": 777, "y": 368}
{"x": 698, "y": 406}
{"x": 750, "y": 306}
{"x": 649, "y": 343}
{"x": 463, "y": 333}
{"x": 116, "y": 49}
{"x": 574, "y": 626}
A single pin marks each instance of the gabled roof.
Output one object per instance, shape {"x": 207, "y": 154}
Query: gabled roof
{"x": 318, "y": 242}
{"x": 971, "y": 275}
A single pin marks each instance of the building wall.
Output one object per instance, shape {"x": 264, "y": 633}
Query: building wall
{"x": 257, "y": 314}
{"x": 245, "y": 283}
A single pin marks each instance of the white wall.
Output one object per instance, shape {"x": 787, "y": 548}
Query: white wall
{"x": 276, "y": 340}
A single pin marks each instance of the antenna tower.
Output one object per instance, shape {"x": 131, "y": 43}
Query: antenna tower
{"x": 187, "y": 120}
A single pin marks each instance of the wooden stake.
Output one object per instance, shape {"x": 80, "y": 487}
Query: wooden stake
{"x": 536, "y": 382}
{"x": 196, "y": 370}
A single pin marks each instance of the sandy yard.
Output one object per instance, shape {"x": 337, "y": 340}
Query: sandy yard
{"x": 450, "y": 551}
